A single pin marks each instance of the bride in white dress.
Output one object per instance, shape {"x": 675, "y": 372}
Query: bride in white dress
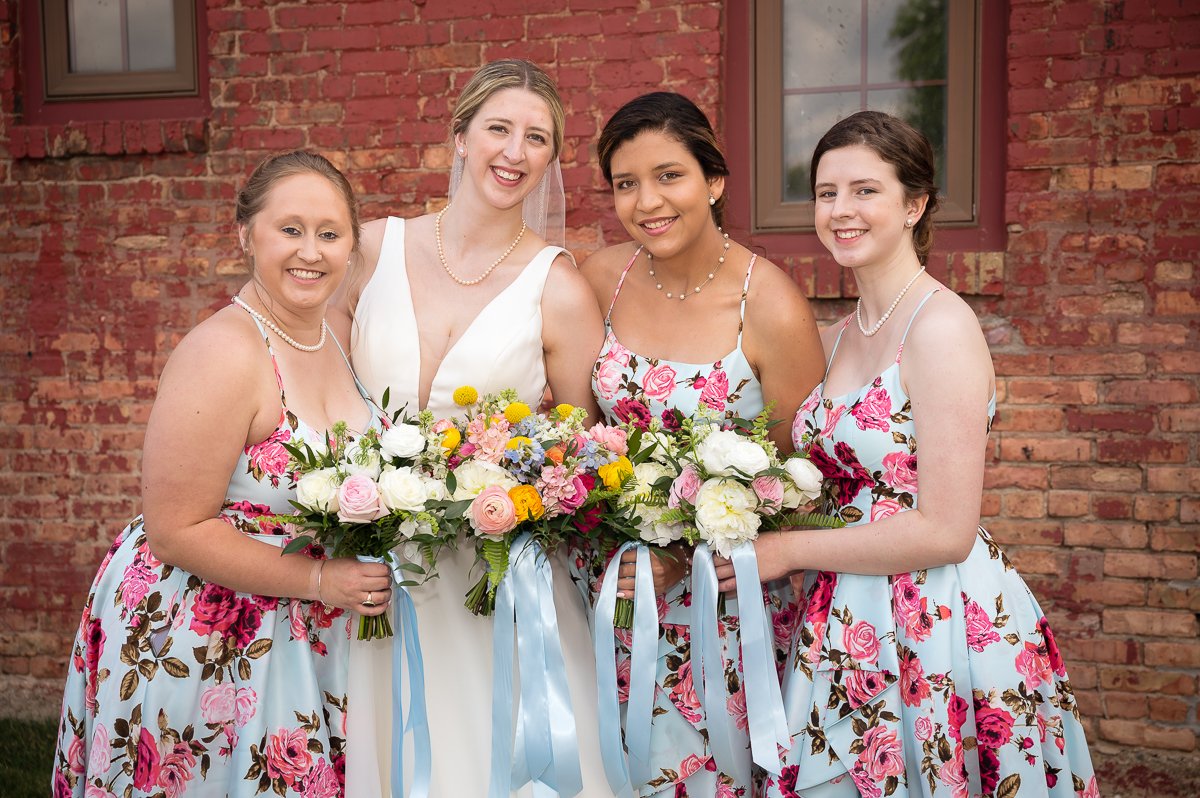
{"x": 471, "y": 295}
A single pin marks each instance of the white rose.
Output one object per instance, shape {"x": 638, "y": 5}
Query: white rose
{"x": 644, "y": 477}
{"x": 402, "y": 440}
{"x": 371, "y": 467}
{"x": 435, "y": 489}
{"x": 402, "y": 489}
{"x": 725, "y": 453}
{"x": 653, "y": 530}
{"x": 805, "y": 482}
{"x": 475, "y": 475}
{"x": 725, "y": 514}
{"x": 319, "y": 489}
{"x": 662, "y": 450}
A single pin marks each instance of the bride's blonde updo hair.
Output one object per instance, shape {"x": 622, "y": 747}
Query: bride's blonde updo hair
{"x": 510, "y": 73}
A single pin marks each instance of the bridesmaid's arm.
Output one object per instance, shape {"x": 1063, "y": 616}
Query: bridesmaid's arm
{"x": 947, "y": 373}
{"x": 572, "y": 334}
{"x": 216, "y": 395}
{"x": 782, "y": 344}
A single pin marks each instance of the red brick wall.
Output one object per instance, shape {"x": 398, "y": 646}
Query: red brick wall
{"x": 117, "y": 240}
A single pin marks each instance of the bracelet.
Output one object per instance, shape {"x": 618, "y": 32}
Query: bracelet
{"x": 320, "y": 568}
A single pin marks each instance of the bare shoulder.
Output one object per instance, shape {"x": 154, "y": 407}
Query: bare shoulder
{"x": 774, "y": 300}
{"x": 603, "y": 268}
{"x": 221, "y": 350}
{"x": 567, "y": 286}
{"x": 945, "y": 338}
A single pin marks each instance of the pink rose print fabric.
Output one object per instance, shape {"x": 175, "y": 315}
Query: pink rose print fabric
{"x": 943, "y": 682}
{"x": 632, "y": 388}
{"x": 201, "y": 689}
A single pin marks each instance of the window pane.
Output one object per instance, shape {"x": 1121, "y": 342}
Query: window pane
{"x": 822, "y": 43}
{"x": 925, "y": 109}
{"x": 806, "y": 117}
{"x": 95, "y": 30}
{"x": 151, "y": 34}
{"x": 907, "y": 40}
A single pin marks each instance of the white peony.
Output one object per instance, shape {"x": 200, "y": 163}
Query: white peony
{"x": 653, "y": 530}
{"x": 402, "y": 440}
{"x": 725, "y": 453}
{"x": 319, "y": 489}
{"x": 725, "y": 514}
{"x": 402, "y": 489}
{"x": 804, "y": 484}
{"x": 435, "y": 489}
{"x": 475, "y": 475}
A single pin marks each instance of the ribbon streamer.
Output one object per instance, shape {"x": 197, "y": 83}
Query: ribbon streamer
{"x": 708, "y": 667}
{"x": 546, "y": 751}
{"x": 765, "y": 715}
{"x": 639, "y": 710}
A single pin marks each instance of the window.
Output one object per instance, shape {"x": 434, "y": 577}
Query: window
{"x": 816, "y": 61}
{"x": 97, "y": 49}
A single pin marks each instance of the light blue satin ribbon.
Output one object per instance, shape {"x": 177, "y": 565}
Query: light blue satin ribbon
{"x": 406, "y": 643}
{"x": 639, "y": 710}
{"x": 546, "y": 751}
{"x": 765, "y": 715}
{"x": 708, "y": 668}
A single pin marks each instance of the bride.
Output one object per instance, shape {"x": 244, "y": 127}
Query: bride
{"x": 474, "y": 295}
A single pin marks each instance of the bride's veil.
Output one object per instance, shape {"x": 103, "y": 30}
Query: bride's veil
{"x": 545, "y": 208}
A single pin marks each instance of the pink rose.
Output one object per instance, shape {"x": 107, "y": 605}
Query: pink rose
{"x": 145, "y": 768}
{"x": 93, "y": 791}
{"x": 322, "y": 782}
{"x": 953, "y": 773}
{"x": 492, "y": 512}
{"x": 1052, "y": 653}
{"x": 735, "y": 707}
{"x": 956, "y": 716}
{"x": 980, "y": 631}
{"x": 62, "y": 787}
{"x": 820, "y": 596}
{"x": 176, "y": 769}
{"x": 993, "y": 726}
{"x": 914, "y": 688}
{"x": 76, "y": 755}
{"x": 659, "y": 383}
{"x": 298, "y": 621}
{"x": 923, "y": 727}
{"x": 608, "y": 377}
{"x": 1091, "y": 790}
{"x": 215, "y": 609}
{"x": 247, "y": 704}
{"x": 883, "y": 755}
{"x": 769, "y": 491}
{"x": 884, "y": 508}
{"x": 632, "y": 411}
{"x": 693, "y": 763}
{"x": 784, "y": 623}
{"x": 683, "y": 695}
{"x": 685, "y": 487}
{"x": 831, "y": 421}
{"x": 1034, "y": 666}
{"x": 813, "y": 653}
{"x": 100, "y": 755}
{"x": 358, "y": 500}
{"x": 442, "y": 425}
{"x": 900, "y": 471}
{"x": 623, "y": 675}
{"x": 716, "y": 390}
{"x": 287, "y": 755}
{"x": 136, "y": 582}
{"x": 614, "y": 439}
{"x": 577, "y": 496}
{"x": 862, "y": 686}
{"x": 861, "y": 642}
{"x": 874, "y": 410}
{"x": 217, "y": 703}
{"x": 248, "y": 622}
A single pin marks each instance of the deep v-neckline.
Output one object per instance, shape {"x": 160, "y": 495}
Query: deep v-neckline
{"x": 423, "y": 401}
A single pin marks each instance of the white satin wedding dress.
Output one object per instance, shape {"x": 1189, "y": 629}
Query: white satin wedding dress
{"x": 502, "y": 348}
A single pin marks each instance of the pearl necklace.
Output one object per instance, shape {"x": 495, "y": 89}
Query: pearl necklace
{"x": 684, "y": 294}
{"x": 437, "y": 234}
{"x": 273, "y": 327}
{"x": 875, "y": 328}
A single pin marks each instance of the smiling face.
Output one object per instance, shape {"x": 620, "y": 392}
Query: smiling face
{"x": 861, "y": 208}
{"x": 507, "y": 146}
{"x": 300, "y": 240}
{"x": 661, "y": 193}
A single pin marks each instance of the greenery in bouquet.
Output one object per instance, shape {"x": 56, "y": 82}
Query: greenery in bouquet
{"x": 514, "y": 471}
{"x": 372, "y": 496}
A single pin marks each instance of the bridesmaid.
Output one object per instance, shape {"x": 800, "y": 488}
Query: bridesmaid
{"x": 207, "y": 662}
{"x": 692, "y": 318}
{"x": 923, "y": 665}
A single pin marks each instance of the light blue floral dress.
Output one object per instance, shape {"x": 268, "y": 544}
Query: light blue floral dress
{"x": 633, "y": 388}
{"x": 180, "y": 686}
{"x": 941, "y": 682}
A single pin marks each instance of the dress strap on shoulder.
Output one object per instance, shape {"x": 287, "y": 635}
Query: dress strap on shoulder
{"x": 620, "y": 283}
{"x": 836, "y": 343}
{"x": 361, "y": 390}
{"x": 911, "y": 319}
{"x": 745, "y": 292}
{"x": 270, "y": 351}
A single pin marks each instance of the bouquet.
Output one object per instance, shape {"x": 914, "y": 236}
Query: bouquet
{"x": 366, "y": 496}
{"x": 513, "y": 471}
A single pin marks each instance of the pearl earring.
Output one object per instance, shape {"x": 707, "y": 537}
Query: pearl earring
{"x": 908, "y": 222}
{"x": 712, "y": 200}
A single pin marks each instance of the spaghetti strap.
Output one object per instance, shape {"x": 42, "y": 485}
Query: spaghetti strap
{"x": 361, "y": 390}
{"x": 911, "y": 319}
{"x": 620, "y": 283}
{"x": 270, "y": 351}
{"x": 745, "y": 291}
{"x": 836, "y": 343}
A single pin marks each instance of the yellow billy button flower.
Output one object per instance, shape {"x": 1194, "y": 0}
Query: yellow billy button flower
{"x": 517, "y": 442}
{"x": 614, "y": 473}
{"x": 527, "y": 501}
{"x": 451, "y": 438}
{"x": 516, "y": 411}
{"x": 564, "y": 410}
{"x": 465, "y": 396}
